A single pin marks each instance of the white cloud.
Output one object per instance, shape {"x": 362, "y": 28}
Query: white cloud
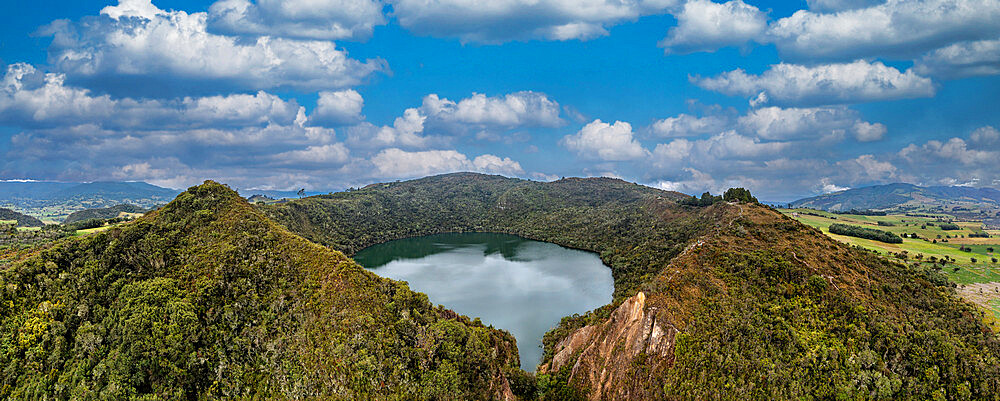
{"x": 703, "y": 25}
{"x": 901, "y": 28}
{"x": 480, "y": 113}
{"x": 518, "y": 109}
{"x": 865, "y": 169}
{"x": 497, "y": 165}
{"x": 600, "y": 140}
{"x": 868, "y": 132}
{"x": 687, "y": 125}
{"x": 330, "y": 154}
{"x": 960, "y": 60}
{"x": 985, "y": 137}
{"x": 338, "y": 108}
{"x": 406, "y": 131}
{"x": 169, "y": 51}
{"x": 856, "y": 82}
{"x": 400, "y": 163}
{"x": 304, "y": 19}
{"x": 775, "y": 123}
{"x": 31, "y": 98}
{"x": 500, "y": 21}
{"x": 954, "y": 150}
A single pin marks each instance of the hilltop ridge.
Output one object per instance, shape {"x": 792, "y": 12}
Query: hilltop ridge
{"x": 724, "y": 301}
{"x": 206, "y": 298}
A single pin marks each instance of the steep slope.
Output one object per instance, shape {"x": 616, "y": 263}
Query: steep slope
{"x": 899, "y": 195}
{"x": 206, "y": 298}
{"x": 102, "y": 213}
{"x": 22, "y": 220}
{"x": 729, "y": 301}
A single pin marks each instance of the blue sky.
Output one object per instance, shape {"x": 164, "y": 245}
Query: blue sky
{"x": 786, "y": 98}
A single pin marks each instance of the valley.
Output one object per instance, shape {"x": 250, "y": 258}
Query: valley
{"x": 705, "y": 295}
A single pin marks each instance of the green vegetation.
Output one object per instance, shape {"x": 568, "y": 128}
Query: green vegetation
{"x": 21, "y": 220}
{"x": 103, "y": 213}
{"x": 208, "y": 299}
{"x": 949, "y": 226}
{"x": 603, "y": 215}
{"x": 764, "y": 307}
{"x": 867, "y": 233}
{"x": 739, "y": 195}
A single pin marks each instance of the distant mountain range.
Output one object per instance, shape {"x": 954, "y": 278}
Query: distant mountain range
{"x": 54, "y": 201}
{"x": 962, "y": 202}
{"x": 895, "y": 196}
{"x": 90, "y": 194}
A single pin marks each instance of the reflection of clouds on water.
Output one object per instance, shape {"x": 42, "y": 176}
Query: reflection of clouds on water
{"x": 526, "y": 294}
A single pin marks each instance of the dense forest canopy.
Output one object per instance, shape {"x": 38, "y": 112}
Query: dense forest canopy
{"x": 753, "y": 304}
{"x": 207, "y": 299}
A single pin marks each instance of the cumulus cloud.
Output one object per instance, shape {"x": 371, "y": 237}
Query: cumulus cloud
{"x": 406, "y": 131}
{"x": 868, "y": 132}
{"x": 334, "y": 153}
{"x": 135, "y": 48}
{"x": 31, "y": 98}
{"x": 703, "y": 25}
{"x": 443, "y": 117}
{"x": 960, "y": 60}
{"x": 775, "y": 123}
{"x": 790, "y": 84}
{"x": 400, "y": 163}
{"x": 687, "y": 125}
{"x": 603, "y": 141}
{"x": 518, "y": 109}
{"x": 304, "y": 19}
{"x": 901, "y": 28}
{"x": 985, "y": 137}
{"x": 954, "y": 150}
{"x": 337, "y": 108}
{"x": 501, "y": 21}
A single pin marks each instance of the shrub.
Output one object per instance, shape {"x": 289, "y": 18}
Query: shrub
{"x": 867, "y": 233}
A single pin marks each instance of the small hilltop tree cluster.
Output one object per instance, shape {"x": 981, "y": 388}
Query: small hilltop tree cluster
{"x": 731, "y": 195}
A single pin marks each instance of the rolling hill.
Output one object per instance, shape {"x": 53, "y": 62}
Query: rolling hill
{"x": 102, "y": 213}
{"x": 21, "y": 219}
{"x": 209, "y": 297}
{"x": 36, "y": 194}
{"x": 206, "y": 298}
{"x": 728, "y": 301}
{"x": 902, "y": 196}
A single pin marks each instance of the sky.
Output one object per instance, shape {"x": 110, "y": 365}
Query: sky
{"x": 785, "y": 98}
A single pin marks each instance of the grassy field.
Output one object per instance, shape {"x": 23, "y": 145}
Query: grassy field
{"x": 978, "y": 282}
{"x": 961, "y": 271}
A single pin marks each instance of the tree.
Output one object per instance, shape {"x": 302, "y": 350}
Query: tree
{"x": 738, "y": 195}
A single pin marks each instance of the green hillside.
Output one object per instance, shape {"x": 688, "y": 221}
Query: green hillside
{"x": 728, "y": 301}
{"x": 21, "y": 220}
{"x": 208, "y": 299}
{"x": 102, "y": 213}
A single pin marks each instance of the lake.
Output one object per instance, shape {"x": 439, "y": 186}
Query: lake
{"x": 512, "y": 283}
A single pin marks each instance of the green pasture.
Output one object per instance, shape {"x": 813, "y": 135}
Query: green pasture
{"x": 962, "y": 271}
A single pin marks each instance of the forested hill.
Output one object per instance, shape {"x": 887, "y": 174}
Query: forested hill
{"x": 600, "y": 214}
{"x": 206, "y": 298}
{"x": 21, "y": 219}
{"x": 896, "y": 195}
{"x": 102, "y": 213}
{"x": 724, "y": 301}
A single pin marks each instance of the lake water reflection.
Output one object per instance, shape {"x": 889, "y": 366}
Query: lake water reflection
{"x": 516, "y": 284}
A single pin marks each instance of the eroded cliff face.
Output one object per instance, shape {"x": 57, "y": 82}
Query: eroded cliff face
{"x": 613, "y": 358}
